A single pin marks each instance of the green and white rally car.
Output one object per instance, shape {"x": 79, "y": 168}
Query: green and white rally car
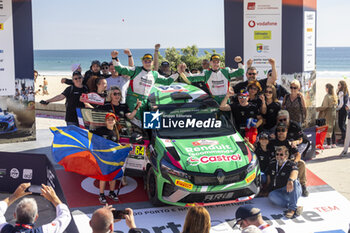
{"x": 196, "y": 156}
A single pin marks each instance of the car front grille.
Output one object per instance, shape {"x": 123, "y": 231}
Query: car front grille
{"x": 212, "y": 179}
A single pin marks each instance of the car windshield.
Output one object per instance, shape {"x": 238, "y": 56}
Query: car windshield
{"x": 193, "y": 120}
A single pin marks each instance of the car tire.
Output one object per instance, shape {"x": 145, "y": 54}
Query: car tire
{"x": 152, "y": 190}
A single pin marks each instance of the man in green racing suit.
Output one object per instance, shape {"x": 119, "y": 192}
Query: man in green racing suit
{"x": 218, "y": 79}
{"x": 142, "y": 79}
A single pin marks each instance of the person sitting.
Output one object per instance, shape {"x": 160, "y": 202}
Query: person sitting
{"x": 263, "y": 154}
{"x": 102, "y": 221}
{"x": 246, "y": 115}
{"x": 197, "y": 221}
{"x": 248, "y": 215}
{"x": 295, "y": 156}
{"x": 26, "y": 212}
{"x": 282, "y": 180}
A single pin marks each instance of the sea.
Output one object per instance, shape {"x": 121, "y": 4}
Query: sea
{"x": 331, "y": 62}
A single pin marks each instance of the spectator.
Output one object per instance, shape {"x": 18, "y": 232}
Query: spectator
{"x": 294, "y": 103}
{"x": 105, "y": 70}
{"x": 328, "y": 111}
{"x": 101, "y": 90}
{"x": 347, "y": 136}
{"x": 194, "y": 71}
{"x": 102, "y": 221}
{"x": 35, "y": 75}
{"x": 242, "y": 112}
{"x": 282, "y": 140}
{"x": 251, "y": 229}
{"x": 254, "y": 89}
{"x": 45, "y": 86}
{"x": 252, "y": 74}
{"x": 72, "y": 95}
{"x": 247, "y": 215}
{"x": 143, "y": 80}
{"x": 114, "y": 104}
{"x": 343, "y": 96}
{"x": 26, "y": 212}
{"x": 119, "y": 81}
{"x": 109, "y": 132}
{"x": 282, "y": 178}
{"x": 93, "y": 72}
{"x": 165, "y": 69}
{"x": 197, "y": 221}
{"x": 263, "y": 154}
{"x": 205, "y": 64}
{"x": 270, "y": 109}
{"x": 218, "y": 79}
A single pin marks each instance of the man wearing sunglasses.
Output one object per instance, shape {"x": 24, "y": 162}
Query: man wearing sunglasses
{"x": 282, "y": 180}
{"x": 72, "y": 95}
{"x": 105, "y": 69}
{"x": 252, "y": 75}
{"x": 294, "y": 155}
{"x": 218, "y": 79}
{"x": 142, "y": 80}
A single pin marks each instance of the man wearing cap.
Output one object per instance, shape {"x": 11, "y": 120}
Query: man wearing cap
{"x": 247, "y": 215}
{"x": 218, "y": 79}
{"x": 252, "y": 75}
{"x": 142, "y": 80}
{"x": 283, "y": 183}
{"x": 242, "y": 112}
{"x": 294, "y": 155}
{"x": 105, "y": 70}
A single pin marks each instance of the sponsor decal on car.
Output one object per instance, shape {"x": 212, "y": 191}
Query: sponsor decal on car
{"x": 213, "y": 159}
{"x": 183, "y": 184}
{"x": 205, "y": 142}
{"x": 250, "y": 178}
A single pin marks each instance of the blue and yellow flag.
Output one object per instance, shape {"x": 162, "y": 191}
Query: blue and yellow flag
{"x": 82, "y": 152}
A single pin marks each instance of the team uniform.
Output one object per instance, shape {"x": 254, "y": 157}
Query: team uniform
{"x": 141, "y": 83}
{"x": 217, "y": 82}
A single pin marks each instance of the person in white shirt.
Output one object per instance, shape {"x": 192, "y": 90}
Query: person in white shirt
{"x": 119, "y": 81}
{"x": 27, "y": 212}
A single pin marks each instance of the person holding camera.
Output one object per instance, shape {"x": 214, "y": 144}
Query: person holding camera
{"x": 103, "y": 219}
{"x": 26, "y": 212}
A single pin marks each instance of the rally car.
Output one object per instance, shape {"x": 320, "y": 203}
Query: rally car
{"x": 7, "y": 122}
{"x": 196, "y": 156}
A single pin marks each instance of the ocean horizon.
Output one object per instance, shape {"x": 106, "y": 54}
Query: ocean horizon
{"x": 331, "y": 62}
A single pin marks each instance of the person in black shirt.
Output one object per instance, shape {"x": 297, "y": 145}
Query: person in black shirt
{"x": 105, "y": 70}
{"x": 113, "y": 104}
{"x": 109, "y": 132}
{"x": 270, "y": 108}
{"x": 294, "y": 155}
{"x": 282, "y": 180}
{"x": 263, "y": 154}
{"x": 254, "y": 89}
{"x": 72, "y": 95}
{"x": 246, "y": 115}
{"x": 252, "y": 74}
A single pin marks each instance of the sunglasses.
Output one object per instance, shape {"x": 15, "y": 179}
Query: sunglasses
{"x": 293, "y": 88}
{"x": 147, "y": 61}
{"x": 281, "y": 130}
{"x": 116, "y": 93}
{"x": 77, "y": 78}
{"x": 243, "y": 97}
{"x": 281, "y": 120}
{"x": 279, "y": 154}
{"x": 105, "y": 68}
{"x": 268, "y": 92}
{"x": 252, "y": 73}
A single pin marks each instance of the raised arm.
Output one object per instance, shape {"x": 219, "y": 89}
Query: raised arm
{"x": 224, "y": 106}
{"x": 130, "y": 58}
{"x": 123, "y": 70}
{"x": 237, "y": 72}
{"x": 156, "y": 57}
{"x": 273, "y": 78}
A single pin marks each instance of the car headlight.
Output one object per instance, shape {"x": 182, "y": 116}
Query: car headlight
{"x": 252, "y": 164}
{"x": 171, "y": 169}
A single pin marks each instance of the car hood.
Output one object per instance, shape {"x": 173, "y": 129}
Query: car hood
{"x": 207, "y": 155}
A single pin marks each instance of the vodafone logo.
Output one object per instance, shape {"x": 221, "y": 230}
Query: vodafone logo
{"x": 251, "y": 23}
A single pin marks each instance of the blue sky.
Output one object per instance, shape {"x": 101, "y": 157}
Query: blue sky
{"x": 104, "y": 24}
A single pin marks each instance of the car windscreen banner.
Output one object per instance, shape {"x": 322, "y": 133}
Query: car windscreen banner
{"x": 17, "y": 113}
{"x": 18, "y": 168}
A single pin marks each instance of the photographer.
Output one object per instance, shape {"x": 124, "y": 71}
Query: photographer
{"x": 102, "y": 220}
{"x": 27, "y": 212}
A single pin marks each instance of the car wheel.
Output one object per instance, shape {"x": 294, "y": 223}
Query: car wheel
{"x": 152, "y": 190}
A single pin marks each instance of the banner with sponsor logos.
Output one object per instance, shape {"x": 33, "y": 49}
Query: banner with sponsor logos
{"x": 17, "y": 113}
{"x": 324, "y": 212}
{"x": 309, "y": 40}
{"x": 262, "y": 33}
{"x": 7, "y": 61}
